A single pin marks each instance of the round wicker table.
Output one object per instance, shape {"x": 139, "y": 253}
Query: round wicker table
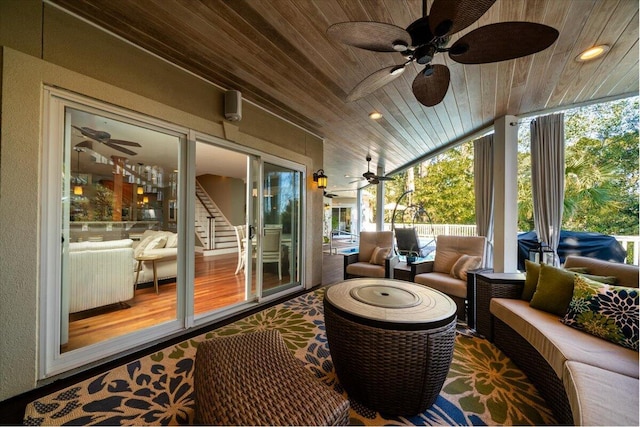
{"x": 391, "y": 342}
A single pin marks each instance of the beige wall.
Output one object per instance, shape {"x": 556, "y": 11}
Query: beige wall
{"x": 228, "y": 194}
{"x": 42, "y": 45}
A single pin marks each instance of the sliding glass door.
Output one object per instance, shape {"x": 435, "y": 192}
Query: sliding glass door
{"x": 149, "y": 230}
{"x": 282, "y": 227}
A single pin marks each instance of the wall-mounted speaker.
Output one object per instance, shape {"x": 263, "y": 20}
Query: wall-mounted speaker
{"x": 233, "y": 105}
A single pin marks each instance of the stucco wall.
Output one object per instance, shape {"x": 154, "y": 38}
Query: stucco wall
{"x": 42, "y": 45}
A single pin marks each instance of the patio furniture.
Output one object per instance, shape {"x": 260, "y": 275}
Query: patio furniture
{"x": 375, "y": 257}
{"x": 455, "y": 256}
{"x": 254, "y": 379}
{"x": 391, "y": 342}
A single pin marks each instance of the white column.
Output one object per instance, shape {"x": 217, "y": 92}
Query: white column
{"x": 505, "y": 182}
{"x": 380, "y": 201}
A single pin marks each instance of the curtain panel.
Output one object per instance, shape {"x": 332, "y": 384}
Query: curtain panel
{"x": 483, "y": 187}
{"x": 547, "y": 177}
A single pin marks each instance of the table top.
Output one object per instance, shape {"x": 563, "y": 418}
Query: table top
{"x": 390, "y": 301}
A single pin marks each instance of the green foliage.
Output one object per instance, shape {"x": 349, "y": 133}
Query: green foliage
{"x": 601, "y": 170}
{"x": 601, "y": 180}
{"x": 444, "y": 186}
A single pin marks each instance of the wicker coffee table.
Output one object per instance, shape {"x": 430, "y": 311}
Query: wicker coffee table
{"x": 391, "y": 342}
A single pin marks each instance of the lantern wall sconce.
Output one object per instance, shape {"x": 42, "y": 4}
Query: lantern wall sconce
{"x": 320, "y": 178}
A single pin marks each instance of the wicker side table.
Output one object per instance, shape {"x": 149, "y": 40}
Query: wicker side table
{"x": 391, "y": 352}
{"x": 494, "y": 285}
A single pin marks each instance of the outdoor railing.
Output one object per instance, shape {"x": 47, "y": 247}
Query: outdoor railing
{"x": 631, "y": 244}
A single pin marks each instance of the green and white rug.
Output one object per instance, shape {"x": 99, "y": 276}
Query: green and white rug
{"x": 483, "y": 386}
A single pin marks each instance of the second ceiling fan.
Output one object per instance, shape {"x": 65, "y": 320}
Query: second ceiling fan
{"x": 429, "y": 35}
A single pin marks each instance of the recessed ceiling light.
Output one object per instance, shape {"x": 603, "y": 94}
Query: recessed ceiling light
{"x": 375, "y": 115}
{"x": 592, "y": 53}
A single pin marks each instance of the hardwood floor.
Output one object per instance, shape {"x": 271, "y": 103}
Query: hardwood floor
{"x": 215, "y": 286}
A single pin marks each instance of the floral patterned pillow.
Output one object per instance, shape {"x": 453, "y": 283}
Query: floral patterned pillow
{"x": 606, "y": 311}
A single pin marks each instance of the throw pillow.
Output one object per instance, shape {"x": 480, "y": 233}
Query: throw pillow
{"x": 464, "y": 264}
{"x": 532, "y": 270}
{"x": 142, "y": 245}
{"x": 172, "y": 240}
{"x": 379, "y": 255}
{"x": 606, "y": 311}
{"x": 554, "y": 290}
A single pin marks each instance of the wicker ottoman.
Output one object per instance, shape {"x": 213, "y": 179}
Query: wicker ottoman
{"x": 254, "y": 379}
{"x": 391, "y": 342}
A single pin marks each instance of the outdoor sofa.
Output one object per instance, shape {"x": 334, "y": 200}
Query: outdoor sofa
{"x": 585, "y": 379}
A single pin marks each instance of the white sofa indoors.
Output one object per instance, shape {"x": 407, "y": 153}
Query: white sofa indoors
{"x": 100, "y": 273}
{"x": 163, "y": 244}
{"x": 585, "y": 379}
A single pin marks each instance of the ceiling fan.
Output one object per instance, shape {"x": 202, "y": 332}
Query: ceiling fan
{"x": 371, "y": 177}
{"x": 105, "y": 138}
{"x": 329, "y": 195}
{"x": 429, "y": 35}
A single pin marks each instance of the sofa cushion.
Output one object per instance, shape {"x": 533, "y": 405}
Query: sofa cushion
{"x": 172, "y": 240}
{"x": 379, "y": 255}
{"x": 557, "y": 342}
{"x": 606, "y": 311}
{"x": 152, "y": 241}
{"x": 600, "y": 397}
{"x": 443, "y": 282}
{"x": 464, "y": 264}
{"x": 554, "y": 290}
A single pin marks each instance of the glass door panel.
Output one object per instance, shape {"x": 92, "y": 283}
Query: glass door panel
{"x": 280, "y": 236}
{"x": 119, "y": 241}
{"x": 222, "y": 258}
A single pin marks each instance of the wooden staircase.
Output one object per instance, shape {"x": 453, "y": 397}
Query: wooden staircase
{"x": 215, "y": 233}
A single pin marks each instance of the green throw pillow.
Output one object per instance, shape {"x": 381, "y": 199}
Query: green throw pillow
{"x": 532, "y": 270}
{"x": 554, "y": 290}
{"x": 606, "y": 311}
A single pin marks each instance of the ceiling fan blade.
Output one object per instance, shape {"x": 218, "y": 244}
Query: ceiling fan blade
{"x": 96, "y": 135}
{"x": 375, "y": 36}
{"x": 448, "y": 17}
{"x": 430, "y": 90}
{"x": 121, "y": 142}
{"x": 357, "y": 180}
{"x": 384, "y": 178}
{"x": 121, "y": 149}
{"x": 502, "y": 41}
{"x": 372, "y": 83}
{"x": 85, "y": 144}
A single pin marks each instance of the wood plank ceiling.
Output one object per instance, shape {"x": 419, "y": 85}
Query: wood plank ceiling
{"x": 277, "y": 53}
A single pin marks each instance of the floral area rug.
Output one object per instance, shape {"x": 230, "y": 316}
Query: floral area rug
{"x": 483, "y": 386}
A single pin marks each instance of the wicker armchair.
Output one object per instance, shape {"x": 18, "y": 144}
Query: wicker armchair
{"x": 445, "y": 273}
{"x": 375, "y": 256}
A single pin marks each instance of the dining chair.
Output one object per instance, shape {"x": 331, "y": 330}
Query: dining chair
{"x": 272, "y": 248}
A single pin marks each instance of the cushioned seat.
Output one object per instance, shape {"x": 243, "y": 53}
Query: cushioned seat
{"x": 254, "y": 379}
{"x": 455, "y": 255}
{"x": 375, "y": 257}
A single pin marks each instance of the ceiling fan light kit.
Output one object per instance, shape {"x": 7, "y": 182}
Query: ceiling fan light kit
{"x": 430, "y": 35}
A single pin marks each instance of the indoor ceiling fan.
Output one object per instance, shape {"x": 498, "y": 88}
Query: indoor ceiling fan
{"x": 429, "y": 35}
{"x": 104, "y": 138}
{"x": 371, "y": 177}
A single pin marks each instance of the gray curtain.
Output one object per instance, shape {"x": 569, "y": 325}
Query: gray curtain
{"x": 547, "y": 177}
{"x": 483, "y": 186}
